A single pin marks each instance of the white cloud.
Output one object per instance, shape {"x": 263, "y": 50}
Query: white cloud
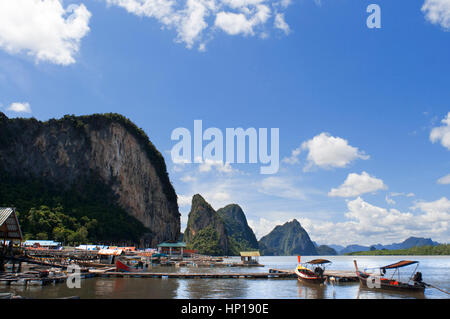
{"x": 207, "y": 165}
{"x": 389, "y": 200}
{"x": 368, "y": 224}
{"x": 437, "y": 12}
{"x": 240, "y": 23}
{"x": 436, "y": 217}
{"x": 281, "y": 24}
{"x": 189, "y": 22}
{"x": 327, "y": 151}
{"x": 184, "y": 200}
{"x": 285, "y": 3}
{"x": 442, "y": 133}
{"x": 19, "y": 107}
{"x": 188, "y": 179}
{"x": 293, "y": 159}
{"x": 234, "y": 23}
{"x": 444, "y": 180}
{"x": 355, "y": 185}
{"x": 280, "y": 187}
{"x": 196, "y": 20}
{"x": 43, "y": 29}
{"x": 371, "y": 224}
{"x": 236, "y": 4}
{"x": 263, "y": 226}
{"x": 403, "y": 194}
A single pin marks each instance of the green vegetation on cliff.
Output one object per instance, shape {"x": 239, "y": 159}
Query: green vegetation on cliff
{"x": 240, "y": 235}
{"x": 221, "y": 232}
{"x": 78, "y": 179}
{"x": 443, "y": 249}
{"x": 80, "y": 215}
{"x": 207, "y": 242}
{"x": 205, "y": 229}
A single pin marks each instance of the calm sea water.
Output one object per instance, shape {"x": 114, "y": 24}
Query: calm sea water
{"x": 435, "y": 270}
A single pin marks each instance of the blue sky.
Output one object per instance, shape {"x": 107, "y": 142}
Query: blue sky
{"x": 365, "y": 108}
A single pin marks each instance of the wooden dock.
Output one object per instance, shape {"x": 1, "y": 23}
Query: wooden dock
{"x": 261, "y": 275}
{"x": 332, "y": 275}
{"x": 341, "y": 275}
{"x": 32, "y": 281}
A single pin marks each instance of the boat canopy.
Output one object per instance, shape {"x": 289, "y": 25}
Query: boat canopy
{"x": 318, "y": 261}
{"x": 399, "y": 264}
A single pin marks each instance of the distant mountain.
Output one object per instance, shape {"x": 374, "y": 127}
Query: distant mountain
{"x": 354, "y": 248}
{"x": 337, "y": 248}
{"x": 406, "y": 244}
{"x": 324, "y": 250}
{"x": 411, "y": 242}
{"x": 287, "y": 240}
{"x": 241, "y": 236}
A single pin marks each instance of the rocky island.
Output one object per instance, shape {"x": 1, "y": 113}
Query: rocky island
{"x": 94, "y": 177}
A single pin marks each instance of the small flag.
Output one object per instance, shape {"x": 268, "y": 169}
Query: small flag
{"x": 299, "y": 259}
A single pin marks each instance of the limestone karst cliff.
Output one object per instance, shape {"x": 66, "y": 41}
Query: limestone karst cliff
{"x": 102, "y": 148}
{"x": 205, "y": 229}
{"x": 287, "y": 240}
{"x": 242, "y": 237}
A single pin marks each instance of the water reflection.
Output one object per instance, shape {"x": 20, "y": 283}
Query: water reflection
{"x": 311, "y": 291}
{"x": 378, "y": 293}
{"x": 213, "y": 288}
{"x": 436, "y": 271}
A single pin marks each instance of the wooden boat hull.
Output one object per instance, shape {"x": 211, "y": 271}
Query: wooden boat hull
{"x": 120, "y": 266}
{"x": 309, "y": 278}
{"x": 312, "y": 280}
{"x": 392, "y": 285}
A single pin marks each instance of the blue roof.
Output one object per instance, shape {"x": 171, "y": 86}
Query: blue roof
{"x": 42, "y": 242}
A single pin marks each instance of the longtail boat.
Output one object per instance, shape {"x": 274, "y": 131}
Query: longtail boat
{"x": 312, "y": 271}
{"x": 379, "y": 280}
{"x": 120, "y": 266}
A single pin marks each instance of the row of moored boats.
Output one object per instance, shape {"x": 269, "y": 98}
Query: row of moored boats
{"x": 384, "y": 277}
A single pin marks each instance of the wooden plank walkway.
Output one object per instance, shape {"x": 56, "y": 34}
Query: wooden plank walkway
{"x": 261, "y": 275}
{"x": 341, "y": 275}
{"x": 332, "y": 275}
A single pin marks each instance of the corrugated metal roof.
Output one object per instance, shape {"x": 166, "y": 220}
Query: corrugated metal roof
{"x": 250, "y": 253}
{"x": 5, "y": 212}
{"x": 9, "y": 224}
{"x": 115, "y": 252}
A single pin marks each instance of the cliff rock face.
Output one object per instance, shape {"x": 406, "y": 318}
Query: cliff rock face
{"x": 205, "y": 229}
{"x": 242, "y": 236}
{"x": 287, "y": 240}
{"x": 104, "y": 147}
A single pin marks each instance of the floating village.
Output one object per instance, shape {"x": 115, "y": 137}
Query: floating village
{"x": 46, "y": 262}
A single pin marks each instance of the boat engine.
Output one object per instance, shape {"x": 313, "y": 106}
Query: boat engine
{"x": 417, "y": 277}
{"x": 318, "y": 271}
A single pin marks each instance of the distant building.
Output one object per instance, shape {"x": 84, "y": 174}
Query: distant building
{"x": 49, "y": 244}
{"x": 249, "y": 257}
{"x": 172, "y": 249}
{"x": 91, "y": 247}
